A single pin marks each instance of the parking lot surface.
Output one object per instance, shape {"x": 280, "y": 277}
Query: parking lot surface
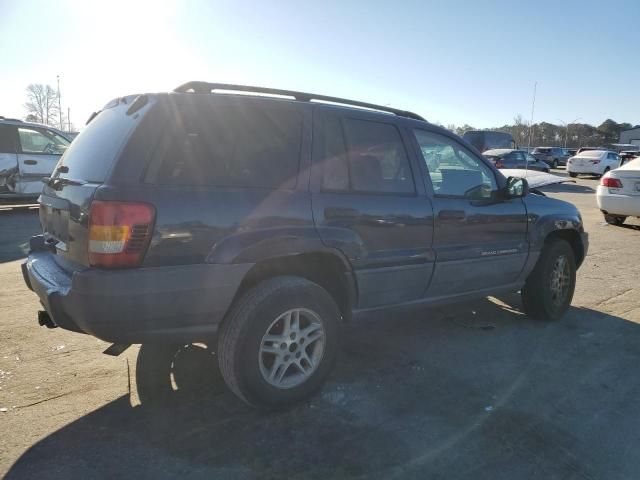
{"x": 477, "y": 390}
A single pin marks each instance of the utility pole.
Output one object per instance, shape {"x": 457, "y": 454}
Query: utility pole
{"x": 59, "y": 103}
{"x": 533, "y": 104}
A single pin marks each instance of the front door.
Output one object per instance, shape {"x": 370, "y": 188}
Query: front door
{"x": 367, "y": 205}
{"x": 479, "y": 244}
{"x": 38, "y": 153}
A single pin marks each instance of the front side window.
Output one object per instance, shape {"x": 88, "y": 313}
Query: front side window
{"x": 453, "y": 170}
{"x": 37, "y": 140}
{"x": 230, "y": 145}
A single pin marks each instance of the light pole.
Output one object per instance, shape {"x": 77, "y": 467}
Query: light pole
{"x": 566, "y": 129}
{"x": 59, "y": 104}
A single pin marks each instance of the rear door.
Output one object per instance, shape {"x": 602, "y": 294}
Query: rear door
{"x": 85, "y": 166}
{"x": 8, "y": 155}
{"x": 479, "y": 244}
{"x": 367, "y": 205}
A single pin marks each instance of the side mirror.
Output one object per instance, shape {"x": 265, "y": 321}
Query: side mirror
{"x": 516, "y": 188}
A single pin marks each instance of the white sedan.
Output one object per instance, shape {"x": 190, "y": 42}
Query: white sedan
{"x": 592, "y": 162}
{"x": 618, "y": 194}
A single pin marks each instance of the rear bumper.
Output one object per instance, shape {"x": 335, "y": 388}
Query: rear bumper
{"x": 160, "y": 304}
{"x": 587, "y": 169}
{"x": 615, "y": 204}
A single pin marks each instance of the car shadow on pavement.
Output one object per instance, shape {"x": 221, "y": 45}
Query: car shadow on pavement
{"x": 473, "y": 391}
{"x": 17, "y": 228}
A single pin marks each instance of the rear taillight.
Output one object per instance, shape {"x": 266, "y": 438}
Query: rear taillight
{"x": 611, "y": 182}
{"x": 595, "y": 162}
{"x": 119, "y": 233}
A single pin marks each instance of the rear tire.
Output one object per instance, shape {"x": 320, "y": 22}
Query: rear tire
{"x": 614, "y": 219}
{"x": 605, "y": 172}
{"x": 573, "y": 174}
{"x": 554, "y": 164}
{"x": 279, "y": 341}
{"x": 549, "y": 288}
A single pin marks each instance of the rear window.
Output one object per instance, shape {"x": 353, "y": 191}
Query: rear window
{"x": 231, "y": 144}
{"x": 591, "y": 153}
{"x": 92, "y": 154}
{"x": 541, "y": 150}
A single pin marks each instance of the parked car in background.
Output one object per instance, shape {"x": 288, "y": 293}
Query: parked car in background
{"x": 485, "y": 140}
{"x": 618, "y": 194}
{"x": 28, "y": 152}
{"x": 626, "y": 156}
{"x": 552, "y": 156}
{"x": 571, "y": 152}
{"x": 593, "y": 162}
{"x": 204, "y": 217}
{"x": 509, "y": 158}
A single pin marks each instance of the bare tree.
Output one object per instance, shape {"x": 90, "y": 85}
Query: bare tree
{"x": 42, "y": 103}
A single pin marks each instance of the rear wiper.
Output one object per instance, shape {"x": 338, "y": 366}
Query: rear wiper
{"x": 57, "y": 183}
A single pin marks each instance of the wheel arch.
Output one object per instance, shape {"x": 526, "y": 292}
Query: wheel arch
{"x": 572, "y": 237}
{"x": 326, "y": 268}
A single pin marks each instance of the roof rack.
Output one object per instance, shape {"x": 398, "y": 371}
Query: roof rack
{"x": 206, "y": 87}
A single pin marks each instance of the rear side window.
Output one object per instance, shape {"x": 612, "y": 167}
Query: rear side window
{"x": 92, "y": 154}
{"x": 362, "y": 156}
{"x": 7, "y": 139}
{"x": 230, "y": 144}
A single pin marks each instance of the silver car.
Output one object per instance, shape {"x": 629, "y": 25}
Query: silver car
{"x": 28, "y": 152}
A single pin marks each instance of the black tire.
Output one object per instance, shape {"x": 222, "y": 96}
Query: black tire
{"x": 573, "y": 174}
{"x": 193, "y": 369}
{"x": 604, "y": 173}
{"x": 250, "y": 319}
{"x": 537, "y": 295}
{"x": 554, "y": 164}
{"x": 614, "y": 219}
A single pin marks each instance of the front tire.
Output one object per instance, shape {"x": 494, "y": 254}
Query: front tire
{"x": 573, "y": 174}
{"x": 616, "y": 220}
{"x": 554, "y": 164}
{"x": 279, "y": 341}
{"x": 549, "y": 288}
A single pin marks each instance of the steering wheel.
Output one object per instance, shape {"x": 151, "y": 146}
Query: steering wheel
{"x": 49, "y": 148}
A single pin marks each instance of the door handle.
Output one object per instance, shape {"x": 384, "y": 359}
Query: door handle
{"x": 458, "y": 215}
{"x": 30, "y": 162}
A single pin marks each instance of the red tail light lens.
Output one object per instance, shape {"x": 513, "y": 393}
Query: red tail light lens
{"x": 119, "y": 233}
{"x": 611, "y": 182}
{"x": 595, "y": 162}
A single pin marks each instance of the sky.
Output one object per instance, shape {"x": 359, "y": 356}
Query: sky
{"x": 453, "y": 62}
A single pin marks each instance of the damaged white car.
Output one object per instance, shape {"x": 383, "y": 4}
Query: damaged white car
{"x": 28, "y": 152}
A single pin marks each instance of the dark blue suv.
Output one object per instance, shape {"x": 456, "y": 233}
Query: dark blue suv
{"x": 257, "y": 221}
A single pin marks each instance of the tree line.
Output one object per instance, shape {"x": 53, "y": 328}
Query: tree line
{"x": 573, "y": 135}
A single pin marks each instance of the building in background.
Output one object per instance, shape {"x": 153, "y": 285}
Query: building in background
{"x": 630, "y": 136}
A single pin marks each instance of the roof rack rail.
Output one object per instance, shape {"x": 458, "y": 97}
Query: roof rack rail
{"x": 207, "y": 87}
